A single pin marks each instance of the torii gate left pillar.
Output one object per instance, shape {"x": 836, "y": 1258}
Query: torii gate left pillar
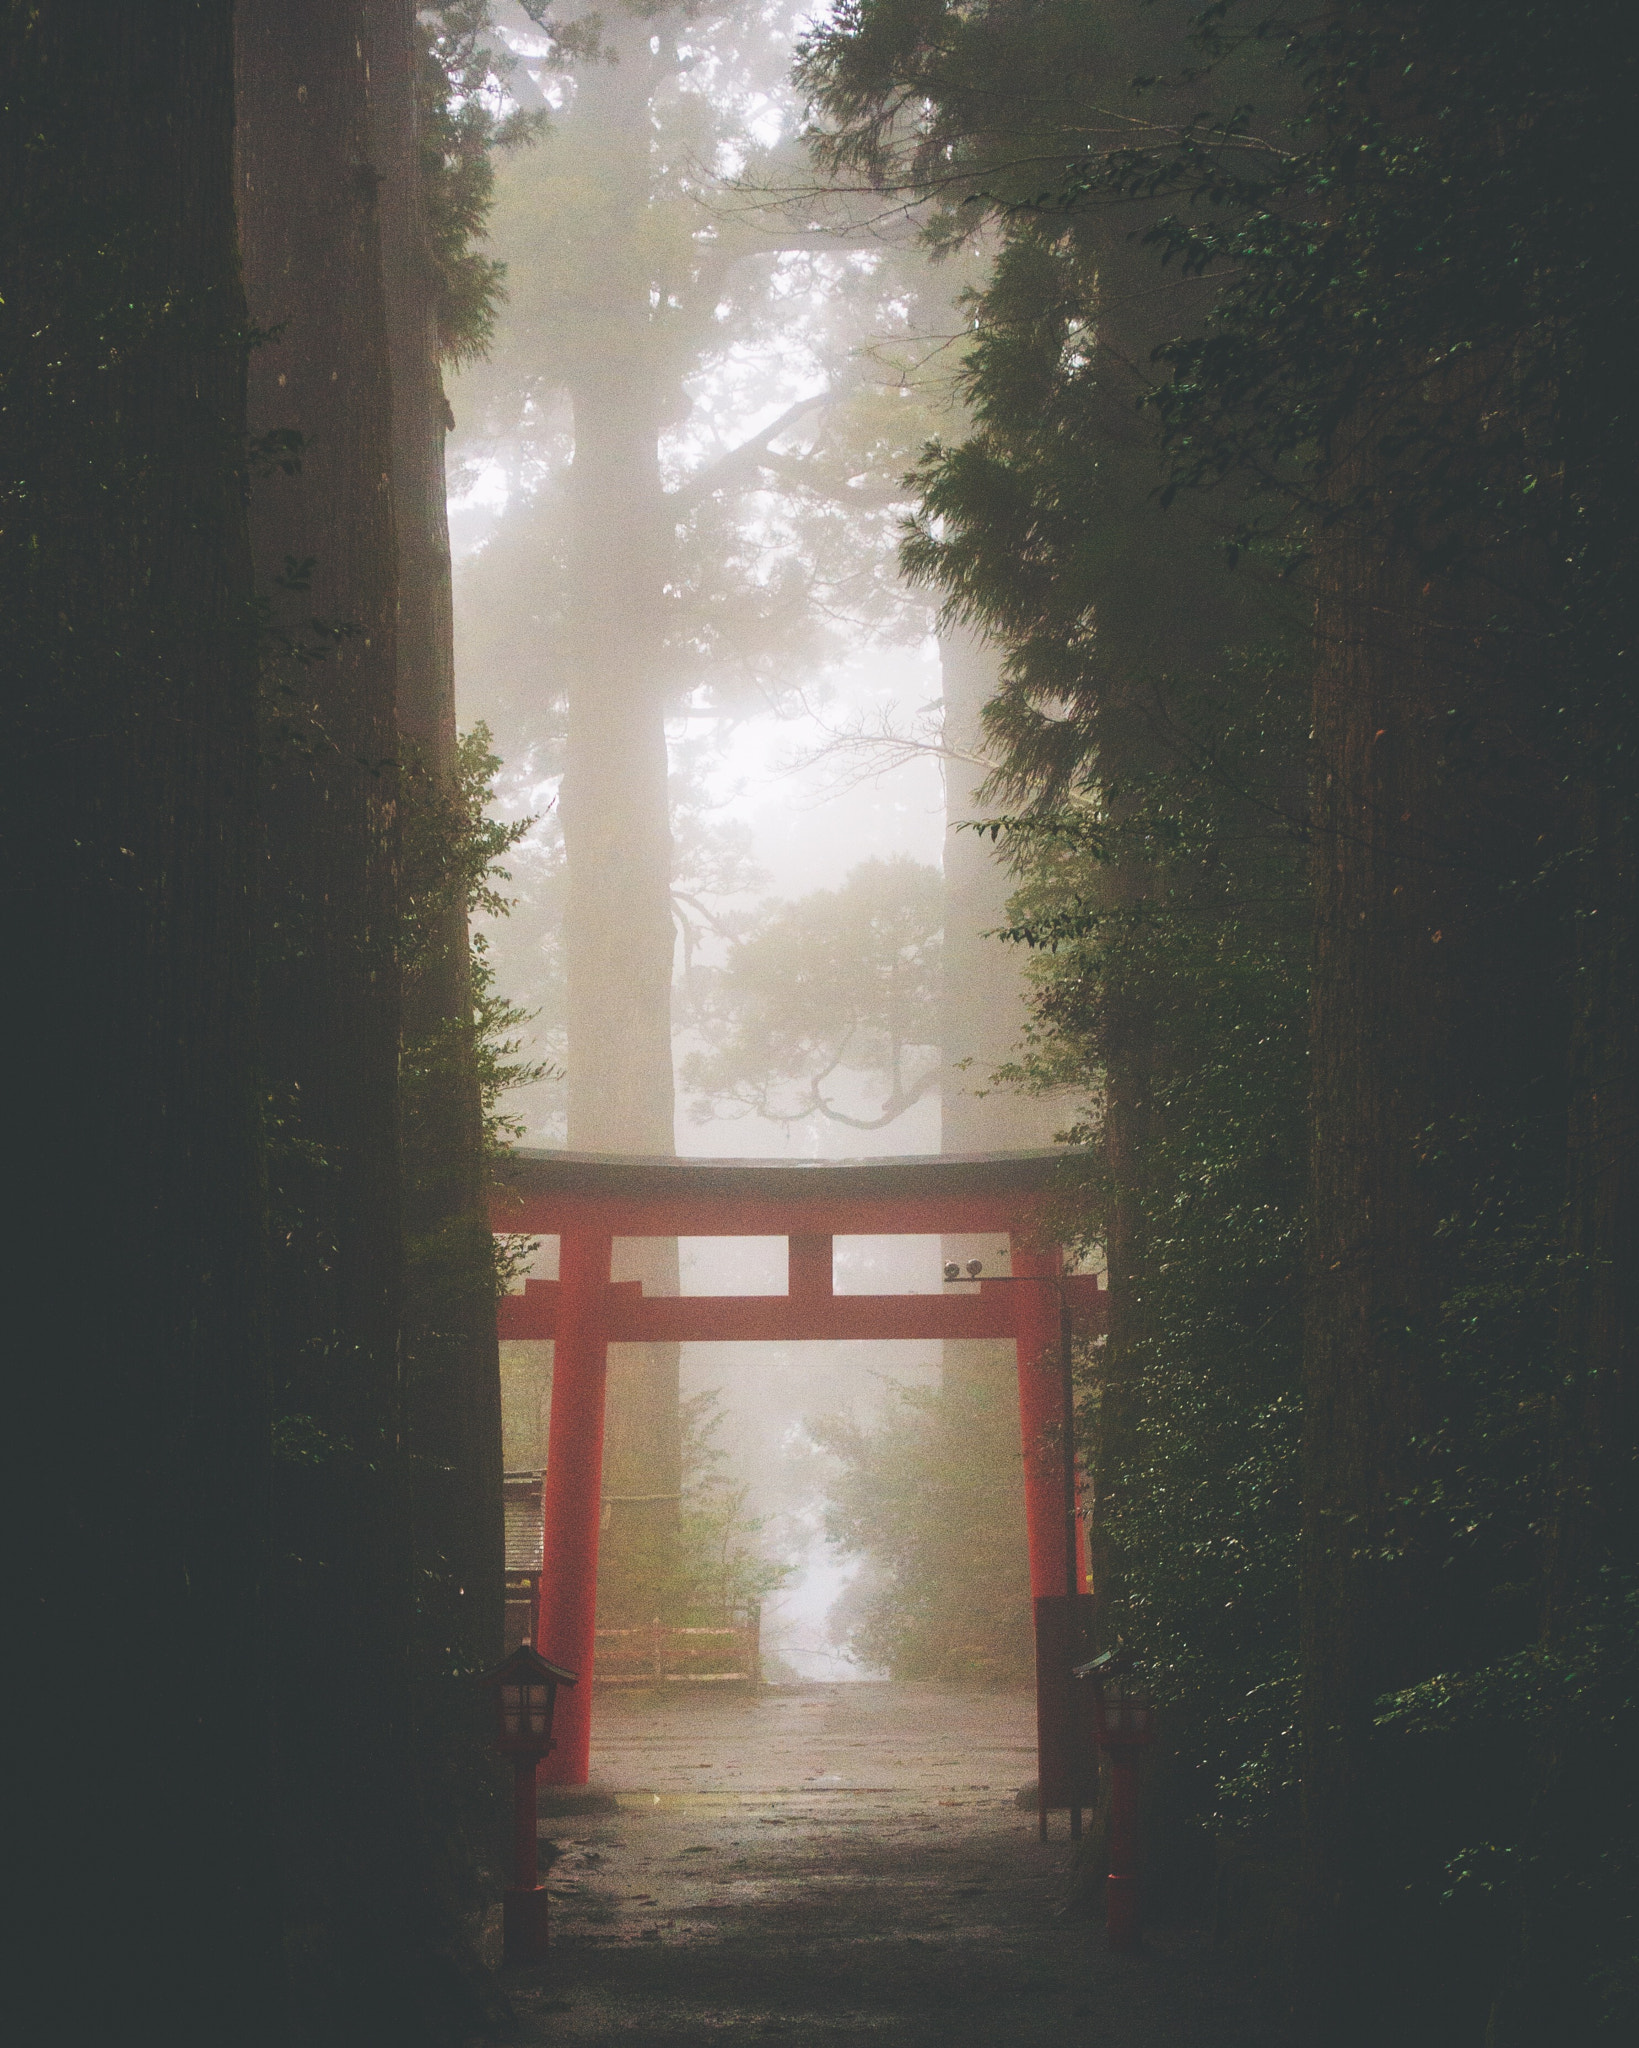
{"x": 584, "y": 1312}
{"x": 572, "y": 1498}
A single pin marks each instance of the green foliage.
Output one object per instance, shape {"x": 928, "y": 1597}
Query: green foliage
{"x": 709, "y": 1566}
{"x": 461, "y": 79}
{"x": 455, "y": 1065}
{"x": 1404, "y": 306}
{"x": 723, "y": 1570}
{"x": 1419, "y": 341}
{"x": 923, "y": 1499}
{"x": 845, "y": 981}
{"x": 1196, "y": 1436}
{"x": 1033, "y": 524}
{"x": 452, "y": 853}
{"x": 451, "y": 866}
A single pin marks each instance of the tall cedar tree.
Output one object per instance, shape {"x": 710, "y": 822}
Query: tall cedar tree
{"x": 361, "y": 1932}
{"x": 617, "y": 934}
{"x": 139, "y": 1406}
{"x": 452, "y": 1367}
{"x": 1424, "y": 346}
{"x": 639, "y": 280}
{"x": 616, "y": 356}
{"x": 1473, "y": 816}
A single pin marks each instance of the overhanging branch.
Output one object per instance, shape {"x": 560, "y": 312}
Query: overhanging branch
{"x": 744, "y": 457}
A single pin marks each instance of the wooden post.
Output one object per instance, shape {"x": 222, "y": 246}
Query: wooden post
{"x": 1066, "y": 1759}
{"x": 1044, "y": 1425}
{"x": 808, "y": 1267}
{"x": 1057, "y": 1571}
{"x": 524, "y": 1905}
{"x": 1121, "y": 1884}
{"x": 572, "y": 1495}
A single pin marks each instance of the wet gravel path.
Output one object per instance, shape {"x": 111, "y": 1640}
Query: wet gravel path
{"x": 836, "y": 1864}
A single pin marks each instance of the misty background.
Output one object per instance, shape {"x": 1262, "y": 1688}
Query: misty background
{"x": 788, "y": 360}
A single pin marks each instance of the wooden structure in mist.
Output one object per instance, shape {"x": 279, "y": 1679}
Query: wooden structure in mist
{"x": 587, "y": 1200}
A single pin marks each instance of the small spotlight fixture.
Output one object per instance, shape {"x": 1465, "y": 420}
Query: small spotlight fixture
{"x": 952, "y": 1270}
{"x": 974, "y": 1268}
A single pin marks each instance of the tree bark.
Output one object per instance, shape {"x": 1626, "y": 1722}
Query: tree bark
{"x": 1418, "y": 1033}
{"x": 325, "y": 549}
{"x": 1377, "y": 1026}
{"x": 128, "y": 787}
{"x": 453, "y": 1386}
{"x": 1560, "y": 1947}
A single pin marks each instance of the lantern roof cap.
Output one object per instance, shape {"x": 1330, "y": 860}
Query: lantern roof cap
{"x": 1108, "y": 1664}
{"x": 526, "y": 1666}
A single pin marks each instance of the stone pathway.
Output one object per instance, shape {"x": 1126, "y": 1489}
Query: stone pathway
{"x": 794, "y": 1738}
{"x": 840, "y": 1863}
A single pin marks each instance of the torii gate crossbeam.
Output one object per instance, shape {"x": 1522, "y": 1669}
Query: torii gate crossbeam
{"x": 587, "y": 1200}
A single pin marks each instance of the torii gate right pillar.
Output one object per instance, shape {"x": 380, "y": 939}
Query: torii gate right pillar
{"x": 1044, "y": 1426}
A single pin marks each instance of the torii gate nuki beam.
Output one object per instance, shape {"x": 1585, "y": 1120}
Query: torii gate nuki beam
{"x": 587, "y": 1200}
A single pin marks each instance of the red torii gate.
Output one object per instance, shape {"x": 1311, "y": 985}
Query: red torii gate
{"x": 587, "y": 1200}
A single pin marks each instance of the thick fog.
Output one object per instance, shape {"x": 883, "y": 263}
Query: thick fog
{"x": 676, "y": 498}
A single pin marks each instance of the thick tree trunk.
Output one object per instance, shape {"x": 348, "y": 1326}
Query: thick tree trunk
{"x": 1574, "y": 1804}
{"x": 1562, "y": 1949}
{"x": 128, "y": 788}
{"x": 325, "y": 549}
{"x": 1596, "y": 1516}
{"x": 425, "y": 650}
{"x": 618, "y": 928}
{"x": 1420, "y": 1034}
{"x": 617, "y": 831}
{"x": 1434, "y": 819}
{"x": 452, "y": 1359}
{"x": 1377, "y": 1034}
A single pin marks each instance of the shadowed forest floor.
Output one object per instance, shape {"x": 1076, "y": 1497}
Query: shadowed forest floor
{"x": 841, "y": 1863}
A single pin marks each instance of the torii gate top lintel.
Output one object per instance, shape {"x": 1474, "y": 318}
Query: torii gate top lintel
{"x": 591, "y": 1198}
{"x": 669, "y": 1197}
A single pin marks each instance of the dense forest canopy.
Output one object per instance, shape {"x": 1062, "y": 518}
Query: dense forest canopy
{"x": 1355, "y": 283}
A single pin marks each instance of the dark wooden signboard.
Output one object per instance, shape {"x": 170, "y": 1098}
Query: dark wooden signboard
{"x": 1064, "y": 1707}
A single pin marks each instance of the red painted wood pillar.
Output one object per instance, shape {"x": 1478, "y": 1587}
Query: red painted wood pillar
{"x": 572, "y": 1498}
{"x": 1042, "y": 1422}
